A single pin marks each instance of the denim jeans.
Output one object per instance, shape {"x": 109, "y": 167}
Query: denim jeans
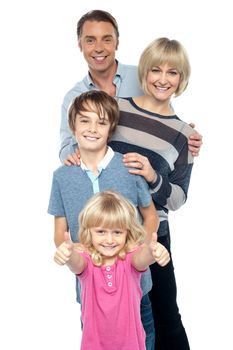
{"x": 148, "y": 322}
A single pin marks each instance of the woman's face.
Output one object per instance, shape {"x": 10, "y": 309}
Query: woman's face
{"x": 163, "y": 81}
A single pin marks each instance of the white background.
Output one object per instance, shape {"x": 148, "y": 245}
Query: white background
{"x": 40, "y": 62}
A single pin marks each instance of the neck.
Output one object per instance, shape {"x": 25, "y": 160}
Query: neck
{"x": 104, "y": 79}
{"x": 92, "y": 159}
{"x": 149, "y": 103}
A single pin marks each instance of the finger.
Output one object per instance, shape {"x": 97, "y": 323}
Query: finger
{"x": 164, "y": 260}
{"x": 76, "y": 158}
{"x": 67, "y": 162}
{"x": 192, "y": 125}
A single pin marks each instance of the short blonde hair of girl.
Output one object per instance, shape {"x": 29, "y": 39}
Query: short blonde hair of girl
{"x": 109, "y": 209}
{"x": 162, "y": 51}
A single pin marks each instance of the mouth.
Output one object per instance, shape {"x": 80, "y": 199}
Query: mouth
{"x": 109, "y": 247}
{"x": 99, "y": 59}
{"x": 161, "y": 89}
{"x": 91, "y": 138}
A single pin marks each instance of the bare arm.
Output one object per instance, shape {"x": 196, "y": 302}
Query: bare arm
{"x": 150, "y": 253}
{"x": 60, "y": 226}
{"x": 67, "y": 254}
{"x": 150, "y": 220}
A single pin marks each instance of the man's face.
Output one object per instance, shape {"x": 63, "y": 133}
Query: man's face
{"x": 98, "y": 43}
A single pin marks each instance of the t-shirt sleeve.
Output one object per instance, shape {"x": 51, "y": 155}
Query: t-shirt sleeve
{"x": 143, "y": 195}
{"x": 56, "y": 207}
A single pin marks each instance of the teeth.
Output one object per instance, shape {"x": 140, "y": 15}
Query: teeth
{"x": 91, "y": 138}
{"x": 161, "y": 88}
{"x": 99, "y": 58}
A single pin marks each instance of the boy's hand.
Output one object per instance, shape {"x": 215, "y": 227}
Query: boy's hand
{"x": 159, "y": 252}
{"x": 73, "y": 159}
{"x": 64, "y": 251}
{"x": 195, "y": 142}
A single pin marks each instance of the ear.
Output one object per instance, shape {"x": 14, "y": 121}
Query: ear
{"x": 79, "y": 45}
{"x": 117, "y": 44}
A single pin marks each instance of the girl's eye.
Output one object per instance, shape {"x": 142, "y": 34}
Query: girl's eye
{"x": 118, "y": 233}
{"x": 173, "y": 72}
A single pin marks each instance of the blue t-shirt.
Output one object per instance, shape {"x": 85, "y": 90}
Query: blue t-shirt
{"x": 71, "y": 188}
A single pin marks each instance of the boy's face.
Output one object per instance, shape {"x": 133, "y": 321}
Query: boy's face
{"x": 92, "y": 131}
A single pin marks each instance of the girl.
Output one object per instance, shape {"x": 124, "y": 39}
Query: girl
{"x": 109, "y": 271}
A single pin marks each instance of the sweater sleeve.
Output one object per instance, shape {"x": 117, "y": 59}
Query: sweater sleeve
{"x": 170, "y": 191}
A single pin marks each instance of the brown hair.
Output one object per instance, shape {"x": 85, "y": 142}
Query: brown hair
{"x": 98, "y": 16}
{"x": 96, "y": 101}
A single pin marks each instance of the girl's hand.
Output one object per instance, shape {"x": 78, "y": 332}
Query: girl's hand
{"x": 73, "y": 159}
{"x": 141, "y": 164}
{"x": 64, "y": 251}
{"x": 159, "y": 252}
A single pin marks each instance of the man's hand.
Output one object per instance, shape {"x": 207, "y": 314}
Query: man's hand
{"x": 195, "y": 142}
{"x": 73, "y": 159}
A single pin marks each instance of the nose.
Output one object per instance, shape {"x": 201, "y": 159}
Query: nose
{"x": 92, "y": 127}
{"x": 163, "y": 78}
{"x": 99, "y": 46}
{"x": 109, "y": 239}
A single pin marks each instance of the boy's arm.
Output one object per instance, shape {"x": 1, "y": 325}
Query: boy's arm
{"x": 150, "y": 220}
{"x": 66, "y": 254}
{"x": 149, "y": 254}
{"x": 60, "y": 226}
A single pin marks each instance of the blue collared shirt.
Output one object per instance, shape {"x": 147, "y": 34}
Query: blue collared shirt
{"x": 127, "y": 85}
{"x": 102, "y": 165}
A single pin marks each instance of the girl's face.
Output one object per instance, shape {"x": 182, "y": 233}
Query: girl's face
{"x": 108, "y": 242}
{"x": 162, "y": 82}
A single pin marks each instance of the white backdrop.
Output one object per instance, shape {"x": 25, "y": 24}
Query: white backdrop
{"x": 40, "y": 61}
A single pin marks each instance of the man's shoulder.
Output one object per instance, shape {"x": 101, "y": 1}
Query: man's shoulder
{"x": 80, "y": 87}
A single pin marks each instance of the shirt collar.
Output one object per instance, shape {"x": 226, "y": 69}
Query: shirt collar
{"x": 120, "y": 72}
{"x": 103, "y": 163}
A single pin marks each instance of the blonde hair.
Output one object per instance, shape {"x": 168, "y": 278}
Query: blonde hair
{"x": 160, "y": 51}
{"x": 110, "y": 209}
{"x": 95, "y": 101}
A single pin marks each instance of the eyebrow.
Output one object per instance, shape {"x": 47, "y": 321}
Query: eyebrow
{"x": 103, "y": 37}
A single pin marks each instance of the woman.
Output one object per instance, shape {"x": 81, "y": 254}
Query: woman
{"x": 158, "y": 144}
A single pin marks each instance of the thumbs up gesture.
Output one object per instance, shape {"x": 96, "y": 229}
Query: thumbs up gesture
{"x": 64, "y": 251}
{"x": 159, "y": 252}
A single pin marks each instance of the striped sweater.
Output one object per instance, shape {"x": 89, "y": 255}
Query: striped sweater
{"x": 164, "y": 141}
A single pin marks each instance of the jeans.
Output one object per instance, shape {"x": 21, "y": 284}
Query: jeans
{"x": 148, "y": 322}
{"x": 170, "y": 332}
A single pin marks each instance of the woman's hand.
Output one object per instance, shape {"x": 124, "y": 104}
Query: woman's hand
{"x": 141, "y": 166}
